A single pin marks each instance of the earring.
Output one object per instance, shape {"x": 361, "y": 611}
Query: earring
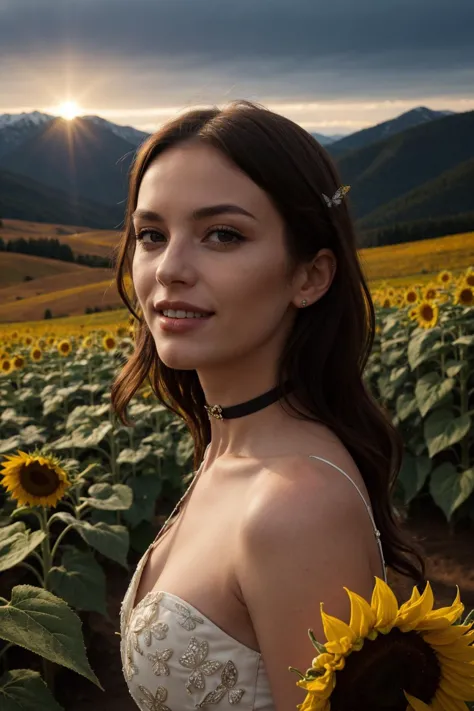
{"x": 304, "y": 302}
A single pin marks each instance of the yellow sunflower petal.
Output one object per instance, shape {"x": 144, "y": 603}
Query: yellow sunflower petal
{"x": 459, "y": 657}
{"x": 362, "y": 616}
{"x": 409, "y": 615}
{"x": 340, "y": 646}
{"x": 436, "y": 704}
{"x": 335, "y": 629}
{"x": 448, "y": 703}
{"x": 444, "y": 616}
{"x": 322, "y": 686}
{"x": 460, "y": 662}
{"x": 462, "y": 690}
{"x": 415, "y": 703}
{"x": 312, "y": 703}
{"x": 385, "y": 606}
{"x": 455, "y": 633}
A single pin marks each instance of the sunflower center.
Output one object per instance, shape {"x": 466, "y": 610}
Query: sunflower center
{"x": 427, "y": 312}
{"x": 39, "y": 480}
{"x": 374, "y": 678}
{"x": 467, "y": 296}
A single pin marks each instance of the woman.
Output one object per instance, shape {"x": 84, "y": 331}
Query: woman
{"x": 228, "y": 225}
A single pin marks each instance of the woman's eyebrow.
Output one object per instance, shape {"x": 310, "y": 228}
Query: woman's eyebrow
{"x": 200, "y": 213}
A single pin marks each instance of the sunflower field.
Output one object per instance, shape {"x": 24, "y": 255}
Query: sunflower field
{"x": 79, "y": 490}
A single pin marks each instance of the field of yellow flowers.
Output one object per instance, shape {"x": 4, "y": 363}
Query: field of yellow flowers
{"x": 79, "y": 489}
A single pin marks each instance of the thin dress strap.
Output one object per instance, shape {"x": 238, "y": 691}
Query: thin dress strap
{"x": 377, "y": 532}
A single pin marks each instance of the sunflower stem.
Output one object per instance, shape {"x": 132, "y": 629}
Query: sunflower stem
{"x": 58, "y": 541}
{"x": 463, "y": 377}
{"x": 45, "y": 549}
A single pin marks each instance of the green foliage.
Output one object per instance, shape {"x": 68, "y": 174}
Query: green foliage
{"x": 424, "y": 378}
{"x": 44, "y": 624}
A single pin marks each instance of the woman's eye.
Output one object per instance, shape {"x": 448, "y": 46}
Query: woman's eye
{"x": 229, "y": 233}
{"x": 142, "y": 233}
{"x": 215, "y": 230}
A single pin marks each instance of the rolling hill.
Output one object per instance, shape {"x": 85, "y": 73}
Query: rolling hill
{"x": 82, "y": 240}
{"x": 391, "y": 168}
{"x": 449, "y": 194}
{"x": 15, "y": 267}
{"x": 24, "y": 198}
{"x": 64, "y": 302}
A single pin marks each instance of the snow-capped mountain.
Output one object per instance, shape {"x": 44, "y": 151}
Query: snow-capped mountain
{"x": 32, "y": 118}
{"x": 130, "y": 134}
{"x": 15, "y": 129}
{"x": 381, "y": 131}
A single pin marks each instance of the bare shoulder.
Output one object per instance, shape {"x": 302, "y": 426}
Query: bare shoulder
{"x": 305, "y": 536}
{"x": 301, "y": 483}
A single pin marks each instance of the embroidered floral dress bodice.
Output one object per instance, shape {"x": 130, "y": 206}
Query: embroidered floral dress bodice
{"x": 176, "y": 659}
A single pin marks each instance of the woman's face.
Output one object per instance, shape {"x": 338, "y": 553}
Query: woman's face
{"x": 241, "y": 276}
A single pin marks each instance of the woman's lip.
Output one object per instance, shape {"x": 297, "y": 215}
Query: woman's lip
{"x": 181, "y": 325}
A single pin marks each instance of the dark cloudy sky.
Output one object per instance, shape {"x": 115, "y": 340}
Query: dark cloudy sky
{"x": 333, "y": 66}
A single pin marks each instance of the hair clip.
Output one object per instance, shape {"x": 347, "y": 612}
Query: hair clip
{"x": 338, "y": 196}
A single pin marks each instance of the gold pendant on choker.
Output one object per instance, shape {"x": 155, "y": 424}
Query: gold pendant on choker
{"x": 214, "y": 411}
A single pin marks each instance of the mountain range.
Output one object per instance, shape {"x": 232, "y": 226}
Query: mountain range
{"x": 417, "y": 166}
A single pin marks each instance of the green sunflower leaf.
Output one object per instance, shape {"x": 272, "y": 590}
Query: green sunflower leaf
{"x": 25, "y": 690}
{"x": 37, "y": 620}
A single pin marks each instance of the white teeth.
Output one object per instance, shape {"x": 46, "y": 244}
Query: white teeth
{"x": 182, "y": 314}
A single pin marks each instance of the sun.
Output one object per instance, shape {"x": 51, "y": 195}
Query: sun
{"x": 68, "y": 110}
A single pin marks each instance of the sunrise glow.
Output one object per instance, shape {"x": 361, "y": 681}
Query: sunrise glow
{"x": 68, "y": 110}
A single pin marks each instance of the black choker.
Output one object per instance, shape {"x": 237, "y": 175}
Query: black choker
{"x": 245, "y": 408}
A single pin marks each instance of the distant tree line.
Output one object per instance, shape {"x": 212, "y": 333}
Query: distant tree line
{"x": 88, "y": 310}
{"x": 52, "y": 249}
{"x": 417, "y": 230}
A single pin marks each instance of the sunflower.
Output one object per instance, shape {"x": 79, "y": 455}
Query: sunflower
{"x": 34, "y": 479}
{"x": 18, "y": 362}
{"x": 413, "y": 314}
{"x": 411, "y": 296}
{"x": 386, "y": 302}
{"x": 28, "y": 340}
{"x": 427, "y": 314}
{"x": 445, "y": 277}
{"x": 64, "y": 347}
{"x": 386, "y": 656}
{"x": 6, "y": 366}
{"x": 464, "y": 295}
{"x": 87, "y": 342}
{"x": 36, "y": 354}
{"x": 430, "y": 292}
{"x": 468, "y": 278}
{"x": 109, "y": 342}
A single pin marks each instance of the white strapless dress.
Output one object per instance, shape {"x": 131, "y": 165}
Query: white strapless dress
{"x": 174, "y": 658}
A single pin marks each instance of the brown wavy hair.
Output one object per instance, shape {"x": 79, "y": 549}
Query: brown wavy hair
{"x": 328, "y": 348}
